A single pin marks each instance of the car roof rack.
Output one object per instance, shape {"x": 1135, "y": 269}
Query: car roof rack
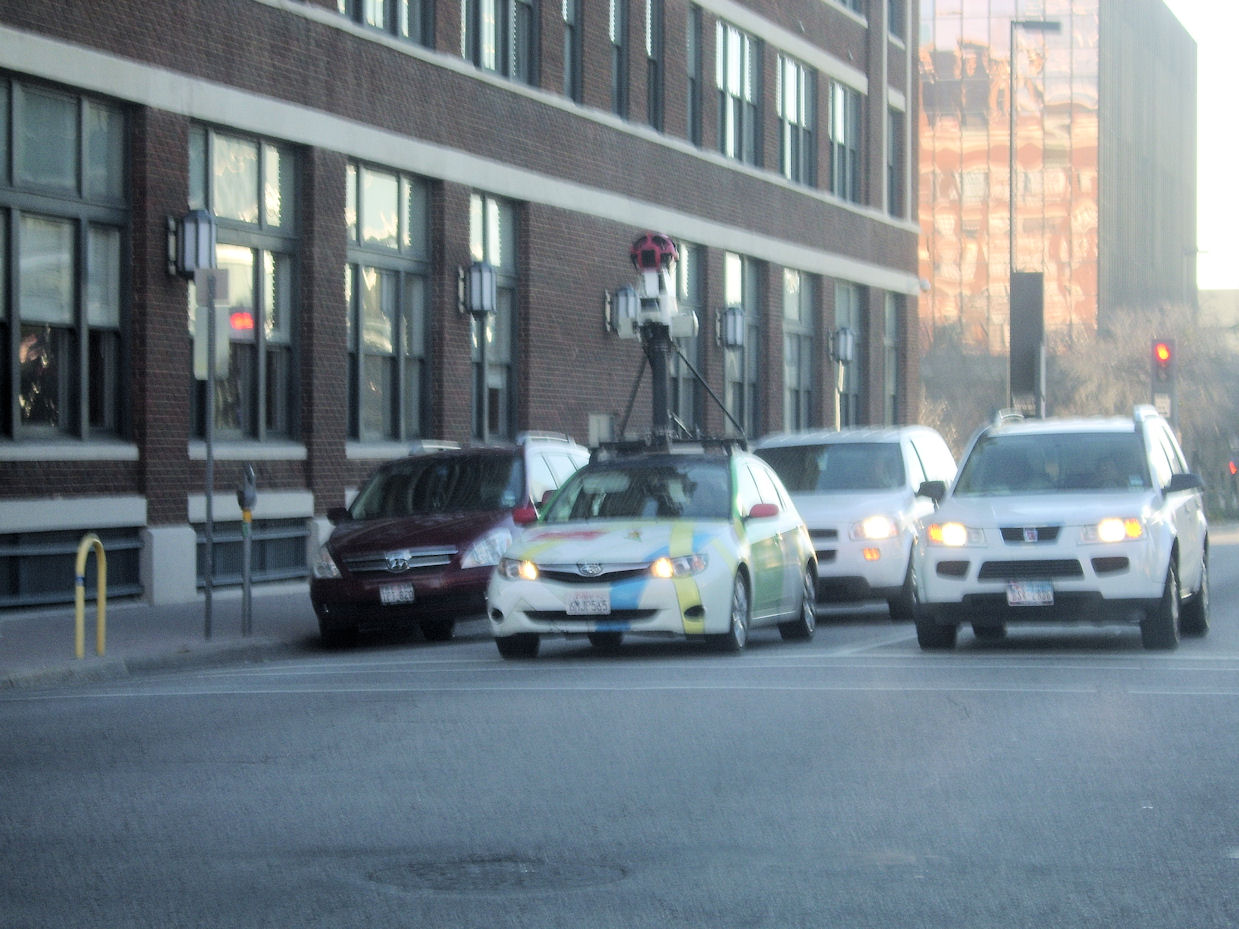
{"x": 653, "y": 445}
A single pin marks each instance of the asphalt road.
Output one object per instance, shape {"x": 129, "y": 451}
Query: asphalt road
{"x": 1063, "y": 777}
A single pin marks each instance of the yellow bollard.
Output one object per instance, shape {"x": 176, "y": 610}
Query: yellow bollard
{"x": 90, "y": 540}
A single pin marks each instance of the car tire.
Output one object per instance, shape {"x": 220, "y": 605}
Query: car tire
{"x": 805, "y": 623}
{"x": 931, "y": 635}
{"x": 606, "y": 641}
{"x": 903, "y": 607}
{"x": 737, "y": 634}
{"x": 1160, "y": 630}
{"x": 438, "y": 630}
{"x": 989, "y": 632}
{"x": 521, "y": 645}
{"x": 1194, "y": 617}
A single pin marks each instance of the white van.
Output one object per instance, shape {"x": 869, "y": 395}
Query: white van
{"x": 856, "y": 490}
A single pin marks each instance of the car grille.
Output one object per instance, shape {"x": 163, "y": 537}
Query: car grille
{"x": 1025, "y": 535}
{"x": 400, "y": 562}
{"x": 560, "y": 616}
{"x": 1029, "y": 570}
{"x": 606, "y": 574}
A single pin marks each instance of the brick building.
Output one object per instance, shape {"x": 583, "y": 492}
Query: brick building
{"x": 356, "y": 156}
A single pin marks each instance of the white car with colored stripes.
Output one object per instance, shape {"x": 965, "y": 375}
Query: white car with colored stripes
{"x": 703, "y": 545}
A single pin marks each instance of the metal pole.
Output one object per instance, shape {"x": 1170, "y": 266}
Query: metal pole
{"x": 209, "y": 529}
{"x": 246, "y": 548}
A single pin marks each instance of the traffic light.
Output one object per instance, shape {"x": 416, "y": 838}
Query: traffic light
{"x": 1163, "y": 361}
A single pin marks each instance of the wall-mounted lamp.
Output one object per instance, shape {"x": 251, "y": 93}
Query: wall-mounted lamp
{"x": 729, "y": 327}
{"x": 843, "y": 345}
{"x": 191, "y": 243}
{"x": 619, "y": 311}
{"x": 476, "y": 288}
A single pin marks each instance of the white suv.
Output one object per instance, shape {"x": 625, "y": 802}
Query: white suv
{"x": 856, "y": 489}
{"x": 1066, "y": 520}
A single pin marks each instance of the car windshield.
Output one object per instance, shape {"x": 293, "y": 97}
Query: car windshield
{"x": 837, "y": 466}
{"x": 1054, "y": 462}
{"x": 442, "y": 483}
{"x": 619, "y": 490}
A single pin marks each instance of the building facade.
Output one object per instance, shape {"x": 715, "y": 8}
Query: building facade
{"x": 1057, "y": 137}
{"x": 357, "y": 156}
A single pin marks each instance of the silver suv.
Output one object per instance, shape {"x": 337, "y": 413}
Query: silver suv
{"x": 857, "y": 492}
{"x": 1066, "y": 520}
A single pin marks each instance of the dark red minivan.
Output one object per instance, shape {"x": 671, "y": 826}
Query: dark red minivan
{"x": 419, "y": 541}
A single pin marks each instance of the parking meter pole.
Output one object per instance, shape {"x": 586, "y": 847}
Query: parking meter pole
{"x": 209, "y": 534}
{"x": 246, "y": 547}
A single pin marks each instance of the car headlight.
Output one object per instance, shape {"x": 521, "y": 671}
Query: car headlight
{"x": 1114, "y": 529}
{"x": 874, "y": 529}
{"x": 325, "y": 567}
{"x": 514, "y": 569}
{"x": 683, "y": 566}
{"x": 953, "y": 535}
{"x": 487, "y": 550}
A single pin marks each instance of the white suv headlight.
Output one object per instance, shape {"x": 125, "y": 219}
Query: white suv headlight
{"x": 1114, "y": 529}
{"x": 487, "y": 550}
{"x": 874, "y": 529}
{"x": 953, "y": 535}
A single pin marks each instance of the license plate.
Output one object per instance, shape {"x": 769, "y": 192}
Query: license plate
{"x": 589, "y": 603}
{"x": 396, "y": 593}
{"x": 1030, "y": 593}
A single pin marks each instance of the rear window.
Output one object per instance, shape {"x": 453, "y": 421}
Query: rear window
{"x": 837, "y": 466}
{"x": 1048, "y": 462}
{"x": 438, "y": 484}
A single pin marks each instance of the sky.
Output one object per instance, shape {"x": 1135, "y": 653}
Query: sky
{"x": 1214, "y": 24}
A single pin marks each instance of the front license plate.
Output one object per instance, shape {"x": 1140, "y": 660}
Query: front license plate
{"x": 589, "y": 603}
{"x": 1030, "y": 593}
{"x": 396, "y": 593}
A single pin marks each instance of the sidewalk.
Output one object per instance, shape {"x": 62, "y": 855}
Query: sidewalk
{"x": 37, "y": 647}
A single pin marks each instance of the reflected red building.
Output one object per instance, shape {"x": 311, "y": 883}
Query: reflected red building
{"x": 1101, "y": 105}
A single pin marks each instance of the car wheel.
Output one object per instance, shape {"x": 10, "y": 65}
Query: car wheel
{"x": 521, "y": 645}
{"x": 333, "y": 636}
{"x": 1160, "y": 630}
{"x": 804, "y": 625}
{"x": 438, "y": 630}
{"x": 903, "y": 607}
{"x": 991, "y": 632}
{"x": 1194, "y": 619}
{"x": 932, "y": 636}
{"x": 606, "y": 641}
{"x": 737, "y": 634}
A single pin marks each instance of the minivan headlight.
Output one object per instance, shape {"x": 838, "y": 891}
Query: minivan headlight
{"x": 683, "y": 566}
{"x": 325, "y": 567}
{"x": 874, "y": 529}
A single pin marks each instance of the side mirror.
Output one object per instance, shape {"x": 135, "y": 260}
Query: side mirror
{"x": 1186, "y": 481}
{"x": 525, "y": 515}
{"x": 934, "y": 490}
{"x": 337, "y": 514}
{"x": 763, "y": 511}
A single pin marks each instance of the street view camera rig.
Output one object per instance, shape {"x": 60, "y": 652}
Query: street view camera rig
{"x": 658, "y": 322}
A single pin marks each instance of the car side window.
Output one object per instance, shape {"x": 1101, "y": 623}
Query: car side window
{"x": 747, "y": 495}
{"x": 915, "y": 465}
{"x": 541, "y": 480}
{"x": 563, "y": 466}
{"x": 766, "y": 487}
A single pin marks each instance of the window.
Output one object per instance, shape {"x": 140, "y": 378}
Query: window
{"x": 62, "y": 257}
{"x": 249, "y": 185}
{"x": 894, "y": 163}
{"x": 501, "y": 36}
{"x": 737, "y": 66}
{"x": 890, "y": 358}
{"x": 895, "y": 17}
{"x": 654, "y": 62}
{"x": 492, "y": 238}
{"x": 386, "y": 281}
{"x": 617, "y": 31}
{"x": 798, "y": 352}
{"x": 685, "y": 388}
{"x": 693, "y": 66}
{"x": 845, "y": 142}
{"x": 572, "y": 49}
{"x": 741, "y": 374}
{"x": 849, "y": 314}
{"x": 797, "y": 149}
{"x": 408, "y": 19}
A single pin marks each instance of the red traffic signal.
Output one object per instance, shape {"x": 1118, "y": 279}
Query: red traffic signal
{"x": 1163, "y": 360}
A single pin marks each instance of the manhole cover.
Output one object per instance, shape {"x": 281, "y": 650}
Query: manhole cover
{"x": 495, "y": 874}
